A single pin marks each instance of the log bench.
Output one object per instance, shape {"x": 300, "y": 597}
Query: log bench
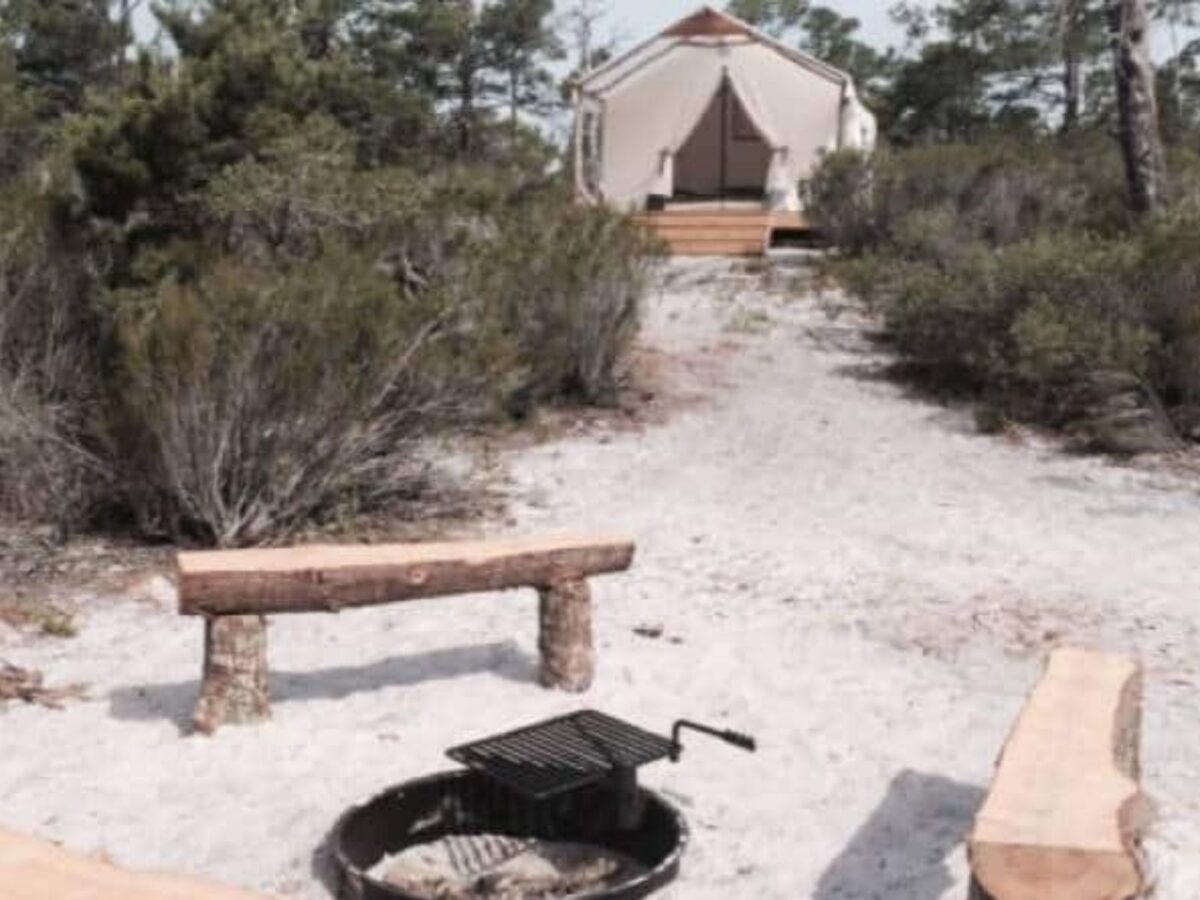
{"x": 1063, "y": 818}
{"x": 234, "y": 590}
{"x": 32, "y": 869}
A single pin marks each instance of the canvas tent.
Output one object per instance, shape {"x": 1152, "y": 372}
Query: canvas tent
{"x": 711, "y": 108}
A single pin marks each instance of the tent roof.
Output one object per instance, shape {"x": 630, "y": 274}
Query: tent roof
{"x": 705, "y": 23}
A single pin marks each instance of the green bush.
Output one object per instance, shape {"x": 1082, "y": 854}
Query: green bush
{"x": 999, "y": 193}
{"x": 254, "y": 401}
{"x": 1024, "y": 323}
{"x": 288, "y": 365}
{"x": 1171, "y": 269}
{"x": 1016, "y": 273}
{"x": 838, "y": 200}
{"x": 571, "y": 281}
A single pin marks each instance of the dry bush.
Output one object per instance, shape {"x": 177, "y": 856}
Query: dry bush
{"x": 571, "y": 280}
{"x": 284, "y": 361}
{"x": 49, "y": 469}
{"x": 257, "y": 401}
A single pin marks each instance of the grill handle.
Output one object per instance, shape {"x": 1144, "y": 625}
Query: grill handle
{"x": 730, "y": 737}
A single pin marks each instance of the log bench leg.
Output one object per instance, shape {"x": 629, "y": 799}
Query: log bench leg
{"x": 235, "y": 687}
{"x": 565, "y": 637}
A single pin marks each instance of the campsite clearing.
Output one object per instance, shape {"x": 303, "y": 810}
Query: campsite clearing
{"x": 841, "y": 568}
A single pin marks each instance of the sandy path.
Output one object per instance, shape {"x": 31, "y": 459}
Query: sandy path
{"x": 847, "y": 572}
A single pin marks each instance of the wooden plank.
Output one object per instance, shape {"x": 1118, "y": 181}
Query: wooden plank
{"x": 719, "y": 233}
{"x": 32, "y": 869}
{"x": 668, "y": 223}
{"x": 718, "y": 251}
{"x": 330, "y": 578}
{"x": 775, "y": 219}
{"x": 1065, "y": 810}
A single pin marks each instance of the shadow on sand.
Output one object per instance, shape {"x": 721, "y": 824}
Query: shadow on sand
{"x": 174, "y": 701}
{"x": 901, "y": 852}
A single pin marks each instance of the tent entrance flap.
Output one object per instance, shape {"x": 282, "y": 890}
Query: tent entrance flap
{"x": 726, "y": 155}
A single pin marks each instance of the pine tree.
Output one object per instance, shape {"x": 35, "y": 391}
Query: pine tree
{"x": 833, "y": 38}
{"x": 61, "y": 48}
{"x": 776, "y": 17}
{"x": 519, "y": 43}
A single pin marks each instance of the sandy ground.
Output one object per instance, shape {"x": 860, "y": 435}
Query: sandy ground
{"x": 846, "y": 571}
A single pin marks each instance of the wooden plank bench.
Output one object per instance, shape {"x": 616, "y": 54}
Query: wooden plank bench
{"x": 1063, "y": 818}
{"x": 235, "y": 589}
{"x": 32, "y": 869}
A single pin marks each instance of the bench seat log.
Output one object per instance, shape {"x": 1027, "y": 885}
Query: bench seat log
{"x": 327, "y": 579}
{"x": 1065, "y": 812}
{"x": 235, "y": 589}
{"x": 32, "y": 869}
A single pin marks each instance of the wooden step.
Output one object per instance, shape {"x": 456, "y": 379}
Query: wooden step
{"x": 699, "y": 239}
{"x": 709, "y": 221}
{"x": 716, "y": 248}
{"x": 717, "y": 232}
{"x": 710, "y": 231}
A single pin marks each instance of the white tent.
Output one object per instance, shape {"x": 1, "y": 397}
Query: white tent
{"x": 711, "y": 108}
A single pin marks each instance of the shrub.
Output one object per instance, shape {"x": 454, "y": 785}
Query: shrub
{"x": 281, "y": 355}
{"x": 1171, "y": 267}
{"x": 49, "y": 368}
{"x": 571, "y": 281}
{"x": 1080, "y": 310}
{"x": 837, "y": 199}
{"x": 1016, "y": 273}
{"x": 257, "y": 401}
{"x": 1024, "y": 323}
{"x": 1000, "y": 192}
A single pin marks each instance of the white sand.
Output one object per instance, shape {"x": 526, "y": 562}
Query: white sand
{"x": 847, "y": 572}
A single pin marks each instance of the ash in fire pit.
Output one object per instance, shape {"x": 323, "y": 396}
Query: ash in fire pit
{"x": 463, "y": 836}
{"x": 551, "y": 811}
{"x": 499, "y": 867}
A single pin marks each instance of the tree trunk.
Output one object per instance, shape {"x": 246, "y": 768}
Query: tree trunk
{"x": 1072, "y": 91}
{"x": 1141, "y": 143}
{"x": 466, "y": 106}
{"x": 565, "y": 641}
{"x": 235, "y": 688}
{"x": 1074, "y": 37}
{"x": 513, "y": 104}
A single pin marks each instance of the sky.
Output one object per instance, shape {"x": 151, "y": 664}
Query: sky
{"x": 635, "y": 20}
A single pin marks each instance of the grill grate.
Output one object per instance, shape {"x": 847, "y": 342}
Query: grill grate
{"x": 562, "y": 754}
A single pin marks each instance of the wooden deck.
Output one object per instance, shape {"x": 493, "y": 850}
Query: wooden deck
{"x": 719, "y": 232}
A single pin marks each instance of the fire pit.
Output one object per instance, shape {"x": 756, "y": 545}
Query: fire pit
{"x": 548, "y": 812}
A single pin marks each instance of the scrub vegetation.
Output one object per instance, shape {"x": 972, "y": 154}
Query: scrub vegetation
{"x": 249, "y": 269}
{"x": 1029, "y": 230}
